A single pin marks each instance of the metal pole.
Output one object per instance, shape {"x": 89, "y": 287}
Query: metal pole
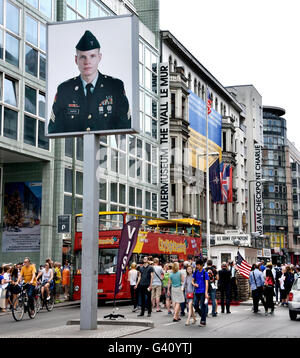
{"x": 72, "y": 263}
{"x": 90, "y": 248}
{"x": 207, "y": 186}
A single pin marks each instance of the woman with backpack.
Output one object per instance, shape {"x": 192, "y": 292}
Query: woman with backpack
{"x": 269, "y": 288}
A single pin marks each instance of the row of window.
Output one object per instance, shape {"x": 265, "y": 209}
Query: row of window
{"x": 79, "y": 9}
{"x": 34, "y": 112}
{"x": 199, "y": 89}
{"x": 117, "y": 194}
{"x": 34, "y": 42}
{"x": 141, "y": 163}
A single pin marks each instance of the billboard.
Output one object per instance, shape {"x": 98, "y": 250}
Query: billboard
{"x": 22, "y": 216}
{"x": 92, "y": 76}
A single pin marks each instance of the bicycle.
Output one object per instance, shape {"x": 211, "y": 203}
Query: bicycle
{"x": 41, "y": 302}
{"x": 21, "y": 305}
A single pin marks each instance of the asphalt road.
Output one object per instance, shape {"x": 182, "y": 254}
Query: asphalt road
{"x": 241, "y": 323}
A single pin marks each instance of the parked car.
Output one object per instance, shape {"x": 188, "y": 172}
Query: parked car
{"x": 294, "y": 300}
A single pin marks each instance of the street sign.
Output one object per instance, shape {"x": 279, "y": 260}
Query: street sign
{"x": 64, "y": 224}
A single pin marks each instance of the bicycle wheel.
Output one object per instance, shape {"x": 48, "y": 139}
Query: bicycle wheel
{"x": 38, "y": 303}
{"x": 32, "y": 313}
{"x": 18, "y": 308}
{"x": 50, "y": 303}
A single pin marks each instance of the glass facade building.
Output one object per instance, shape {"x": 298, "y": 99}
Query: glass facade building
{"x": 274, "y": 172}
{"x": 128, "y": 165}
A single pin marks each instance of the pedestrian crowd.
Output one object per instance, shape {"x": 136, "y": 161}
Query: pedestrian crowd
{"x": 267, "y": 282}
{"x": 183, "y": 288}
{"x": 51, "y": 276}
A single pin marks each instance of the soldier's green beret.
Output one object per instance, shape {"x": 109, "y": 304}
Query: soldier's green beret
{"x": 87, "y": 42}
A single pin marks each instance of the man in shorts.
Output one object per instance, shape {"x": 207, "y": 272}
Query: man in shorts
{"x": 156, "y": 284}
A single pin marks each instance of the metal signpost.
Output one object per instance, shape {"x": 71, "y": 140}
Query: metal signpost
{"x": 85, "y": 101}
{"x": 89, "y": 273}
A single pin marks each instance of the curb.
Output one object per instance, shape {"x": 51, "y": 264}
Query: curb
{"x": 126, "y": 322}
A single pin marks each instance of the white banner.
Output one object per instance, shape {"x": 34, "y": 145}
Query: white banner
{"x": 164, "y": 113}
{"x": 258, "y": 189}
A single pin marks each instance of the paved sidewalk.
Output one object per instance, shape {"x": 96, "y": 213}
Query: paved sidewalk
{"x": 106, "y": 328}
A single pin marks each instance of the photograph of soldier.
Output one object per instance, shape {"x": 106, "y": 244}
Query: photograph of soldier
{"x": 91, "y": 101}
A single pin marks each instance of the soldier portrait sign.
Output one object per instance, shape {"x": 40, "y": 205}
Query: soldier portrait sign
{"x": 92, "y": 77}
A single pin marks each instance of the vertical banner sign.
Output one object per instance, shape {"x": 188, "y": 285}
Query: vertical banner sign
{"x": 164, "y": 95}
{"x": 258, "y": 189}
{"x": 127, "y": 243}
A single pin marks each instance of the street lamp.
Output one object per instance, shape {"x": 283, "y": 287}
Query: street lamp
{"x": 250, "y": 210}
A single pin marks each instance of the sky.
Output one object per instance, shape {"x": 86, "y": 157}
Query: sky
{"x": 242, "y": 42}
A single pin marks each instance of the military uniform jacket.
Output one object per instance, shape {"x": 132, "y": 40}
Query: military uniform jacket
{"x": 108, "y": 109}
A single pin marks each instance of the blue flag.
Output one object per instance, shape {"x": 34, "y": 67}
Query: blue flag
{"x": 214, "y": 181}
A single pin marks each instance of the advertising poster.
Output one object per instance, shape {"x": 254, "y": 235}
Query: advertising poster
{"x": 92, "y": 76}
{"x": 22, "y": 215}
{"x": 197, "y": 141}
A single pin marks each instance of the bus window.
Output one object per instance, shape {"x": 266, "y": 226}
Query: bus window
{"x": 196, "y": 230}
{"x": 107, "y": 261}
{"x": 79, "y": 224}
{"x": 110, "y": 222}
{"x": 78, "y": 256}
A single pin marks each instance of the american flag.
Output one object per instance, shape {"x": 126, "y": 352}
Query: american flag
{"x": 209, "y": 102}
{"x": 243, "y": 267}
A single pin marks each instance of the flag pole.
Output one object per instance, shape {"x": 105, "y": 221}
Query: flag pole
{"x": 207, "y": 184}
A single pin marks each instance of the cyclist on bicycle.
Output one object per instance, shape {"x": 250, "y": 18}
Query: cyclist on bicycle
{"x": 28, "y": 275}
{"x": 47, "y": 280}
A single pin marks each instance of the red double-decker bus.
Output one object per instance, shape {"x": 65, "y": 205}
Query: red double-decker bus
{"x": 166, "y": 239}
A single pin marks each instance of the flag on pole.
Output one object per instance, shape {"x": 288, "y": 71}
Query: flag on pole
{"x": 209, "y": 102}
{"x": 214, "y": 181}
{"x": 243, "y": 267}
{"x": 128, "y": 241}
{"x": 226, "y": 182}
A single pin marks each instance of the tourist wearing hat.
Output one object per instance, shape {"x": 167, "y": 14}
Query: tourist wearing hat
{"x": 91, "y": 101}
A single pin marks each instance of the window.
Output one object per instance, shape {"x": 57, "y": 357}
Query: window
{"x": 12, "y": 50}
{"x": 10, "y": 129}
{"x": 45, "y": 6}
{"x": 12, "y": 18}
{"x": 34, "y": 118}
{"x": 35, "y": 48}
{"x": 68, "y": 180}
{"x": 76, "y": 9}
{"x": 8, "y": 107}
{"x": 69, "y": 147}
{"x": 96, "y": 10}
{"x": 79, "y": 148}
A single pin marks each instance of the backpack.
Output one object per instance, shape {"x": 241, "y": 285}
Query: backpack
{"x": 212, "y": 277}
{"x": 289, "y": 280}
